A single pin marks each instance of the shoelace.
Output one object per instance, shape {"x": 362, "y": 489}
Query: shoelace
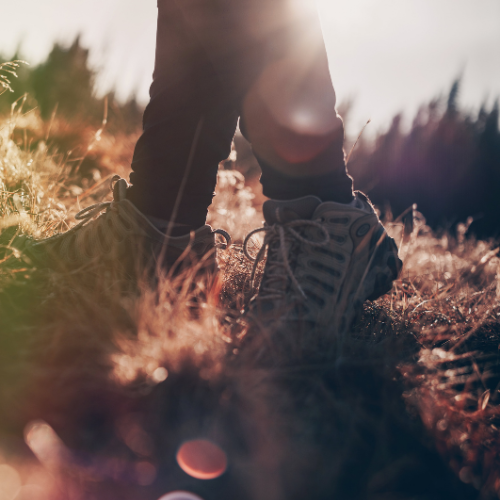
{"x": 226, "y": 236}
{"x": 92, "y": 210}
{"x": 80, "y": 237}
{"x": 83, "y": 216}
{"x": 281, "y": 230}
{"x": 88, "y": 213}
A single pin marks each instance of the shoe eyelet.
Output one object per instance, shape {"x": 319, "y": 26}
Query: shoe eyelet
{"x": 339, "y": 220}
{"x": 339, "y": 239}
{"x": 315, "y": 298}
{"x": 332, "y": 254}
{"x": 363, "y": 230}
{"x": 325, "y": 286}
{"x": 317, "y": 266}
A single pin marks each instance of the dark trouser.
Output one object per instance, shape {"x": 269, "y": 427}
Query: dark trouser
{"x": 216, "y": 61}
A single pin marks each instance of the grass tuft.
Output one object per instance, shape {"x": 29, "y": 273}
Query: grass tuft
{"x": 105, "y": 385}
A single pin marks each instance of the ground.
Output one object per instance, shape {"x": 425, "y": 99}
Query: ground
{"x": 99, "y": 388}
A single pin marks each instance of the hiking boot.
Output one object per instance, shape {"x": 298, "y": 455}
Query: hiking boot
{"x": 125, "y": 238}
{"x": 323, "y": 261}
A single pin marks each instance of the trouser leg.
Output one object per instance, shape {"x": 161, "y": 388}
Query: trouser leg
{"x": 186, "y": 93}
{"x": 289, "y": 115}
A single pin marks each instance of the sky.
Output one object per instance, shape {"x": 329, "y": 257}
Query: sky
{"x": 386, "y": 56}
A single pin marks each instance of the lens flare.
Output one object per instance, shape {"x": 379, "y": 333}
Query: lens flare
{"x": 202, "y": 459}
{"x": 160, "y": 374}
{"x": 303, "y": 7}
{"x": 180, "y": 495}
{"x": 30, "y": 492}
{"x": 146, "y": 473}
{"x": 46, "y": 445}
{"x": 10, "y": 482}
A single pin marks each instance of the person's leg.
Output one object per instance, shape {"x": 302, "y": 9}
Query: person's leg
{"x": 191, "y": 111}
{"x": 289, "y": 115}
{"x": 218, "y": 59}
{"x": 327, "y": 251}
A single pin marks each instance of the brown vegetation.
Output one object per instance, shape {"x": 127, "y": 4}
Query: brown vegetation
{"x": 104, "y": 386}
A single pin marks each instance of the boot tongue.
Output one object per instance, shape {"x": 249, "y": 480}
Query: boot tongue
{"x": 280, "y": 212}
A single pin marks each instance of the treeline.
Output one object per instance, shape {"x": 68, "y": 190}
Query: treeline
{"x": 448, "y": 163}
{"x": 64, "y": 84}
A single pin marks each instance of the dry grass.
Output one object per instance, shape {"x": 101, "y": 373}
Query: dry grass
{"x": 123, "y": 379}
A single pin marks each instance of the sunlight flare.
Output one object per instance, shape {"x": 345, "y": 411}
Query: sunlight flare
{"x": 180, "y": 495}
{"x": 10, "y": 482}
{"x": 46, "y": 445}
{"x": 202, "y": 459}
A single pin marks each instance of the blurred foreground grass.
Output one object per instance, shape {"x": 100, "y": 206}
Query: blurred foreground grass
{"x": 98, "y": 389}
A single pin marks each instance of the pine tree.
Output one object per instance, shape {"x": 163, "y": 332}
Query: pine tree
{"x": 65, "y": 80}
